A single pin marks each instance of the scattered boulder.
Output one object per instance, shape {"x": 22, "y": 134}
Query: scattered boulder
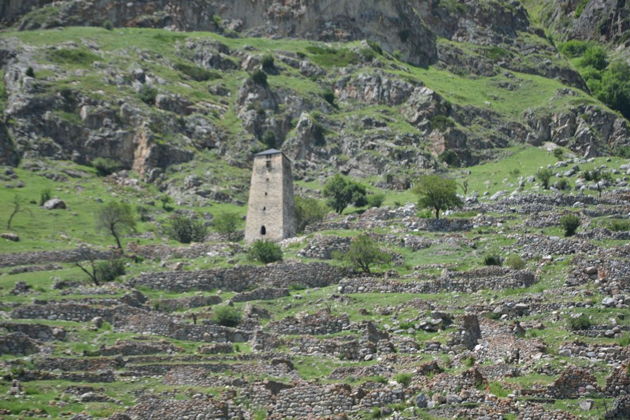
{"x": 54, "y": 204}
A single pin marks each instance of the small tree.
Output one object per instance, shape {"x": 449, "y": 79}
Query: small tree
{"x": 266, "y": 252}
{"x": 44, "y": 196}
{"x": 228, "y": 316}
{"x": 363, "y": 253}
{"x": 260, "y": 78}
{"x": 102, "y": 271}
{"x": 544, "y": 175}
{"x": 437, "y": 193}
{"x": 226, "y": 223}
{"x": 341, "y": 191}
{"x": 570, "y": 223}
{"x": 268, "y": 64}
{"x": 308, "y": 211}
{"x": 597, "y": 176}
{"x": 17, "y": 208}
{"x": 116, "y": 219}
{"x": 186, "y": 229}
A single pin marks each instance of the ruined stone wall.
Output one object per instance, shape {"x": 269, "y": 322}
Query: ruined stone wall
{"x": 242, "y": 278}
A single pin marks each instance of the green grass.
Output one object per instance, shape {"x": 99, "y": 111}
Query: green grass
{"x": 73, "y": 57}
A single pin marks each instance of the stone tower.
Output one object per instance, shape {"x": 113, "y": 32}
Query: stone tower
{"x": 271, "y": 210}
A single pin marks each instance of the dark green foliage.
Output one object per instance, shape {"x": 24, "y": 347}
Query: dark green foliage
{"x": 375, "y": 200}
{"x": 269, "y": 138}
{"x": 340, "y": 192}
{"x": 622, "y": 151}
{"x": 570, "y": 223}
{"x": 450, "y": 158}
{"x": 265, "y": 252}
{"x": 143, "y": 213}
{"x": 166, "y": 201}
{"x": 18, "y": 207}
{"x": 268, "y": 64}
{"x": 469, "y": 362}
{"x": 105, "y": 166}
{"x": 614, "y": 87}
{"x": 116, "y": 219}
{"x": 109, "y": 270}
{"x": 197, "y": 73}
{"x": 562, "y": 185}
{"x": 363, "y": 253}
{"x": 107, "y": 24}
{"x": 226, "y": 223}
{"x": 596, "y": 176}
{"x": 77, "y": 56}
{"x": 308, "y": 211}
{"x": 186, "y": 229}
{"x": 375, "y": 46}
{"x": 147, "y": 94}
{"x": 596, "y": 57}
{"x": 515, "y": 262}
{"x": 329, "y": 96}
{"x": 574, "y": 48}
{"x": 260, "y": 78}
{"x": 437, "y": 193}
{"x": 544, "y": 176}
{"x": 228, "y": 316}
{"x": 30, "y": 72}
{"x": 441, "y": 122}
{"x": 44, "y": 196}
{"x": 403, "y": 378}
{"x": 493, "y": 260}
{"x": 619, "y": 225}
{"x": 329, "y": 57}
{"x": 581, "y": 322}
{"x": 558, "y": 153}
{"x": 580, "y": 7}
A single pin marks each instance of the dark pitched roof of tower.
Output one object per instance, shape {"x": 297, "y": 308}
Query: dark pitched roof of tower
{"x": 268, "y": 152}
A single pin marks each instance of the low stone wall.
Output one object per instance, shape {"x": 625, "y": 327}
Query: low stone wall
{"x": 177, "y": 304}
{"x": 35, "y": 331}
{"x": 452, "y": 282}
{"x": 320, "y": 323}
{"x": 17, "y": 343}
{"x": 71, "y": 312}
{"x": 66, "y": 256}
{"x": 239, "y": 279}
{"x": 262, "y": 293}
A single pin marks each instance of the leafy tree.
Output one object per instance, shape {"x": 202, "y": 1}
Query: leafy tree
{"x": 228, "y": 316}
{"x": 375, "y": 200}
{"x": 268, "y": 64}
{"x": 266, "y": 252}
{"x": 260, "y": 78}
{"x": 147, "y": 94}
{"x": 363, "y": 253}
{"x": 437, "y": 193}
{"x": 570, "y": 223}
{"x": 596, "y": 57}
{"x": 341, "y": 192}
{"x": 544, "y": 176}
{"x": 116, "y": 219}
{"x": 308, "y": 211}
{"x": 226, "y": 223}
{"x": 186, "y": 229}
{"x": 597, "y": 176}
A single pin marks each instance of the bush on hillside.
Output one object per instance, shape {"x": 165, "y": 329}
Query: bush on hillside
{"x": 570, "y": 223}
{"x": 185, "y": 229}
{"x": 265, "y": 252}
{"x": 227, "y": 316}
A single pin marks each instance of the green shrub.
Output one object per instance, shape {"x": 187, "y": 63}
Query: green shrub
{"x": 260, "y": 78}
{"x": 570, "y": 223}
{"x": 379, "y": 379}
{"x": 328, "y": 56}
{"x": 73, "y": 56}
{"x": 375, "y": 46}
{"x": 185, "y": 229}
{"x": 265, "y": 252}
{"x": 329, "y": 96}
{"x": 228, "y": 316}
{"x": 226, "y": 223}
{"x": 574, "y": 48}
{"x": 403, "y": 378}
{"x": 268, "y": 64}
{"x": 375, "y": 200}
{"x": 269, "y": 138}
{"x": 493, "y": 260}
{"x": 558, "y": 153}
{"x": 562, "y": 185}
{"x": 596, "y": 57}
{"x": 107, "y": 24}
{"x": 341, "y": 191}
{"x": 143, "y": 213}
{"x": 469, "y": 362}
{"x": 197, "y": 73}
{"x": 581, "y": 322}
{"x": 450, "y": 158}
{"x": 544, "y": 176}
{"x": 515, "y": 262}
{"x": 105, "y": 166}
{"x": 308, "y": 211}
{"x": 44, "y": 196}
{"x": 441, "y": 122}
{"x": 110, "y": 270}
{"x": 30, "y": 72}
{"x": 363, "y": 253}
{"x": 619, "y": 225}
{"x": 147, "y": 94}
